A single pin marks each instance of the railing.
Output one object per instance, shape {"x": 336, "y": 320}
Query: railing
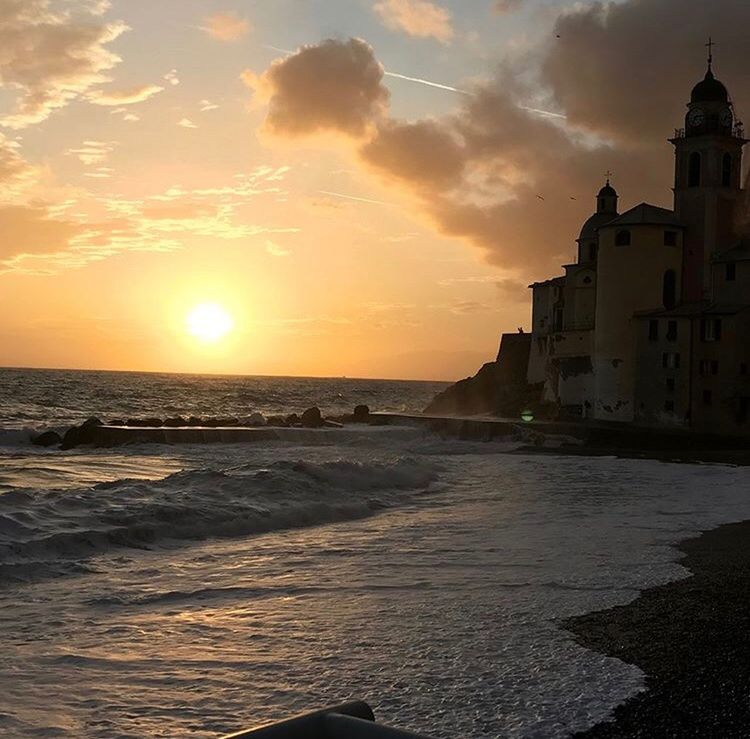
{"x": 738, "y": 131}
{"x": 349, "y": 720}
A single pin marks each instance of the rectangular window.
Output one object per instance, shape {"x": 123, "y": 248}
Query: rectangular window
{"x": 731, "y": 273}
{"x": 670, "y": 384}
{"x": 743, "y": 368}
{"x": 670, "y": 238}
{"x": 711, "y": 329}
{"x": 714, "y": 366}
{"x": 670, "y": 360}
{"x": 653, "y": 330}
{"x": 671, "y": 330}
{"x": 558, "y": 320}
{"x": 669, "y": 406}
{"x": 707, "y": 397}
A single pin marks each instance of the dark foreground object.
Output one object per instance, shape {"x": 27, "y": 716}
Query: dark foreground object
{"x": 353, "y": 720}
{"x": 691, "y": 638}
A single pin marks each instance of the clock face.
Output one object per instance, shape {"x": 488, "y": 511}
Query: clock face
{"x": 725, "y": 117}
{"x": 696, "y": 117}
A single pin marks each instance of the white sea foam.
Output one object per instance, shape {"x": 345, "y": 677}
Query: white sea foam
{"x": 48, "y": 527}
{"x": 200, "y": 601}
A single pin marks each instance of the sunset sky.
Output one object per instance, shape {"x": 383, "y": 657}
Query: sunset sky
{"x": 270, "y": 158}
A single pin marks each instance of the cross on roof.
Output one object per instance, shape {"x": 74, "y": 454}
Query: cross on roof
{"x": 608, "y": 174}
{"x": 710, "y": 45}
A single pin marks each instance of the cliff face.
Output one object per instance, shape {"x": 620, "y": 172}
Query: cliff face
{"x": 499, "y": 388}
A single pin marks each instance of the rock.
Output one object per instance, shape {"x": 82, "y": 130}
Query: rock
{"x": 361, "y": 414}
{"x": 311, "y": 418}
{"x": 255, "y": 419}
{"x": 292, "y": 420}
{"x": 195, "y": 421}
{"x": 175, "y": 422}
{"x": 71, "y": 438}
{"x": 83, "y": 434}
{"x": 47, "y": 438}
{"x": 277, "y": 421}
{"x": 116, "y": 422}
{"x": 144, "y": 422}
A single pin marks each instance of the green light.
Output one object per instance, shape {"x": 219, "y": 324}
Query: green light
{"x": 527, "y": 416}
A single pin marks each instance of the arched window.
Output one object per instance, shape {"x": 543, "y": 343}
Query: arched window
{"x": 726, "y": 170}
{"x": 622, "y": 238}
{"x": 593, "y": 248}
{"x": 669, "y": 290}
{"x": 694, "y": 170}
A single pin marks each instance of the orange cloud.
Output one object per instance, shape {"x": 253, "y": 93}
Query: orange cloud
{"x": 419, "y": 18}
{"x": 124, "y": 97}
{"x": 41, "y": 241}
{"x": 51, "y": 59}
{"x": 226, "y": 26}
{"x": 333, "y": 87}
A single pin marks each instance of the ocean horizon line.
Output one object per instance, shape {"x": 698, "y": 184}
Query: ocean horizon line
{"x": 223, "y": 374}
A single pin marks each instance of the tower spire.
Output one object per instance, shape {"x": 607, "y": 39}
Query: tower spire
{"x": 710, "y": 46}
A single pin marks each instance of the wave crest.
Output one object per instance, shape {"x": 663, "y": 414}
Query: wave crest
{"x": 45, "y": 527}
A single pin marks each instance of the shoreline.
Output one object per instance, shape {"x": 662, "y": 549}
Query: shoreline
{"x": 690, "y": 638}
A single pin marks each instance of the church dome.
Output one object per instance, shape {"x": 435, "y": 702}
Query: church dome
{"x": 709, "y": 89}
{"x": 607, "y": 191}
{"x": 594, "y": 223}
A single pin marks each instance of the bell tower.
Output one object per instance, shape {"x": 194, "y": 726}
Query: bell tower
{"x": 707, "y": 184}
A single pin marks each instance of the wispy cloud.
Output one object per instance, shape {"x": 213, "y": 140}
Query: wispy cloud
{"x": 226, "y": 26}
{"x": 186, "y": 123}
{"x": 275, "y": 250}
{"x": 49, "y": 59}
{"x": 128, "y": 96}
{"x": 44, "y": 240}
{"x": 419, "y": 18}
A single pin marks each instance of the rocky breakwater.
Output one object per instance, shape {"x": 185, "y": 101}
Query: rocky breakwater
{"x": 193, "y": 429}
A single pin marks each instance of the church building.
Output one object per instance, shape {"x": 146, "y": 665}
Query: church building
{"x": 651, "y": 324}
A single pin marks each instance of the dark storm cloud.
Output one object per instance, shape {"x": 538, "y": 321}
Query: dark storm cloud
{"x": 625, "y": 70}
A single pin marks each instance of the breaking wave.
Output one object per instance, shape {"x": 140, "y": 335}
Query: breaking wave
{"x": 48, "y": 533}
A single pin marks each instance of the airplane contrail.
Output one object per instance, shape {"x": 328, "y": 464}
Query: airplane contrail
{"x": 438, "y": 85}
{"x": 425, "y": 82}
{"x": 547, "y": 113}
{"x": 353, "y": 197}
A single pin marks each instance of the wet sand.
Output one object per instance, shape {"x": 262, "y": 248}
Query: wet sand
{"x": 691, "y": 638}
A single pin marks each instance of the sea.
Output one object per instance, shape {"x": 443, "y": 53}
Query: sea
{"x": 194, "y": 590}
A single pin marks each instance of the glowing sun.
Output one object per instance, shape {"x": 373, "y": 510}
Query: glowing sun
{"x": 209, "y": 322}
